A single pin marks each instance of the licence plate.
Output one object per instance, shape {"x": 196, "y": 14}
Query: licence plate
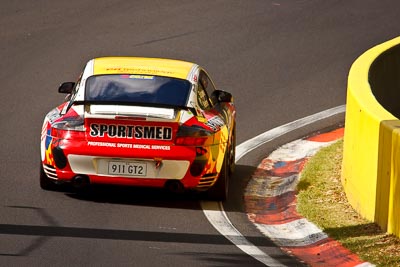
{"x": 127, "y": 168}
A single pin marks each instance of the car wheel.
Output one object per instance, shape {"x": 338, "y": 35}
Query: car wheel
{"x": 219, "y": 191}
{"x": 232, "y": 152}
{"x": 45, "y": 182}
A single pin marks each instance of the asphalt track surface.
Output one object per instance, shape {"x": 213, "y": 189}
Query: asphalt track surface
{"x": 282, "y": 60}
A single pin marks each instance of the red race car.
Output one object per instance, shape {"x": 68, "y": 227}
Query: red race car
{"x": 141, "y": 122}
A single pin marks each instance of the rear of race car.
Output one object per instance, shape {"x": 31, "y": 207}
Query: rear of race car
{"x": 91, "y": 145}
{"x": 142, "y": 129}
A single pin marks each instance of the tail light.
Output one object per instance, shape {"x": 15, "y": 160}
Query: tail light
{"x": 69, "y": 128}
{"x": 190, "y": 141}
{"x": 192, "y": 136}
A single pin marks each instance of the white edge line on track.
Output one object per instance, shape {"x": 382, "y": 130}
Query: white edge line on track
{"x": 214, "y": 211}
{"x": 253, "y": 143}
{"x": 218, "y": 218}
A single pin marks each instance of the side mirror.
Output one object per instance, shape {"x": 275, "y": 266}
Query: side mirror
{"x": 66, "y": 88}
{"x": 222, "y": 96}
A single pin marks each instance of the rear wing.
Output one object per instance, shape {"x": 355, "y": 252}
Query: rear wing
{"x": 133, "y": 104}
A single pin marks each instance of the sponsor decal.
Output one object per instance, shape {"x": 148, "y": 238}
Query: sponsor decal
{"x": 139, "y": 70}
{"x": 130, "y": 146}
{"x": 138, "y": 77}
{"x": 131, "y": 131}
{"x": 53, "y": 115}
{"x": 47, "y": 145}
{"x": 215, "y": 123}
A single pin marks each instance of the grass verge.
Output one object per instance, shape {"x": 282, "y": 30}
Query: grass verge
{"x": 321, "y": 200}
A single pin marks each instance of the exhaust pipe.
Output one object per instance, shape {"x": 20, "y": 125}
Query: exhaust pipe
{"x": 80, "y": 182}
{"x": 175, "y": 186}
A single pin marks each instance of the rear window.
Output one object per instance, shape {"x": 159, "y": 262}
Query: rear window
{"x": 137, "y": 89}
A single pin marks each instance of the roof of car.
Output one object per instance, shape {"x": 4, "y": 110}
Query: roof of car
{"x": 141, "y": 65}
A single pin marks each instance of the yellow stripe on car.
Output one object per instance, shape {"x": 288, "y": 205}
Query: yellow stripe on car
{"x": 138, "y": 65}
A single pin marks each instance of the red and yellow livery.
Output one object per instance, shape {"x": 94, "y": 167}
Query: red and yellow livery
{"x": 141, "y": 122}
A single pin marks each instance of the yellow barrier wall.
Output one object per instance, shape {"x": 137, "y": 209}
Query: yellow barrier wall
{"x": 363, "y": 143}
{"x": 388, "y": 185}
{"x": 394, "y": 199}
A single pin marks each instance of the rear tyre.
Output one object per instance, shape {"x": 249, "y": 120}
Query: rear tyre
{"x": 45, "y": 182}
{"x": 232, "y": 152}
{"x": 219, "y": 191}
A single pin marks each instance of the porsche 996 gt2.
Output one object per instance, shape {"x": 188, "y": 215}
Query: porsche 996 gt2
{"x": 141, "y": 122}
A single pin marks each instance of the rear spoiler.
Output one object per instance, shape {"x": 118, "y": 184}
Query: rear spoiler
{"x": 137, "y": 104}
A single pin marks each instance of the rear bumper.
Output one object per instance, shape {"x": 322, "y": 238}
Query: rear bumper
{"x": 155, "y": 168}
{"x": 180, "y": 163}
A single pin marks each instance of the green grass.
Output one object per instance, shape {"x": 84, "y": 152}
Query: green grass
{"x": 321, "y": 200}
